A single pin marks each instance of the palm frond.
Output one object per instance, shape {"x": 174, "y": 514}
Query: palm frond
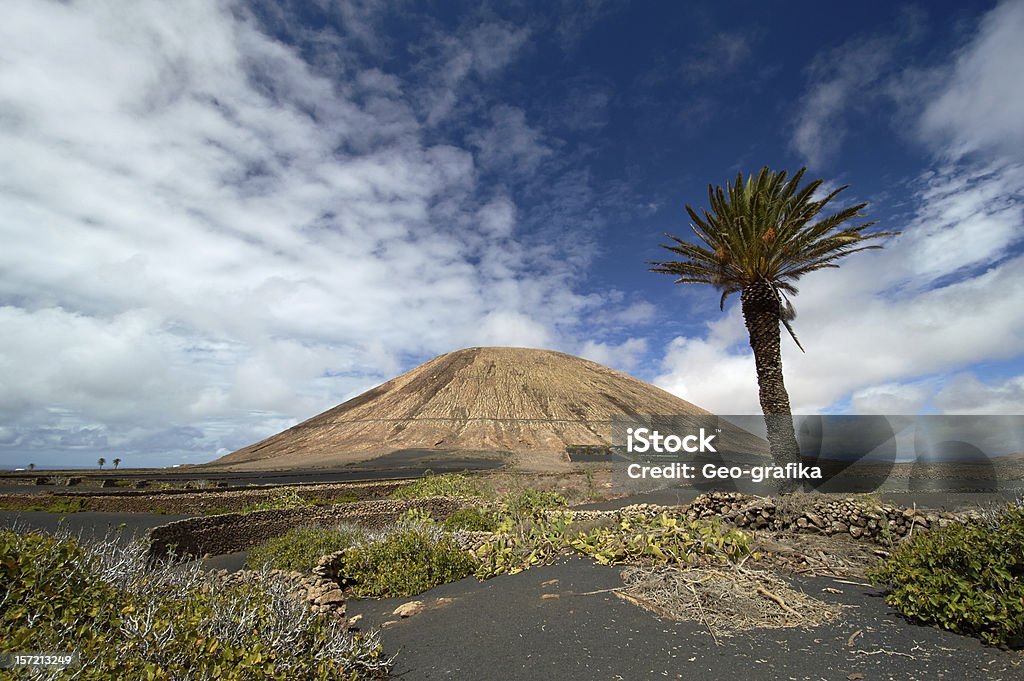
{"x": 767, "y": 227}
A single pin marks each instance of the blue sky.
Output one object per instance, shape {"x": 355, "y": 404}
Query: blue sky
{"x": 221, "y": 218}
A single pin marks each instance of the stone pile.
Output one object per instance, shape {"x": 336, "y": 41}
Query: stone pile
{"x": 811, "y": 513}
{"x": 319, "y": 593}
{"x": 819, "y": 514}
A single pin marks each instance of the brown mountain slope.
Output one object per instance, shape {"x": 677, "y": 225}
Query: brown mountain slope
{"x": 478, "y": 399}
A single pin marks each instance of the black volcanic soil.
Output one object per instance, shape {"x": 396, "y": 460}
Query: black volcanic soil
{"x": 505, "y": 630}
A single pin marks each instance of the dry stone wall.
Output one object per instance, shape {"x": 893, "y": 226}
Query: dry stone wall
{"x": 819, "y": 514}
{"x": 196, "y": 501}
{"x": 232, "y": 532}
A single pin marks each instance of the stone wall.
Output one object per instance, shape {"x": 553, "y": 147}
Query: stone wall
{"x": 233, "y": 532}
{"x": 196, "y": 501}
{"x": 858, "y": 517}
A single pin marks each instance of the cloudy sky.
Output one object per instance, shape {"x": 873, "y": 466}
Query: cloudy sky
{"x": 220, "y": 218}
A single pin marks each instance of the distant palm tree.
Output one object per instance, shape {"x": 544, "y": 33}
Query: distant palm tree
{"x": 101, "y": 461}
{"x": 31, "y": 466}
{"x": 760, "y": 235}
{"x": 116, "y": 462}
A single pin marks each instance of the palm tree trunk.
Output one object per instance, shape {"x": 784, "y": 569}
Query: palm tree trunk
{"x": 762, "y": 314}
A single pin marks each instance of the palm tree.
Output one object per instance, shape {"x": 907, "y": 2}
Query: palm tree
{"x": 762, "y": 234}
{"x": 31, "y": 466}
{"x": 116, "y": 462}
{"x": 101, "y": 461}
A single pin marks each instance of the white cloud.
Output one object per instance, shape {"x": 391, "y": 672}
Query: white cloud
{"x": 891, "y": 398}
{"x": 512, "y": 328}
{"x": 980, "y": 107}
{"x": 841, "y": 81}
{"x": 494, "y": 46}
{"x": 623, "y": 356}
{"x": 965, "y": 394}
{"x": 498, "y": 217}
{"x": 720, "y": 54}
{"x": 638, "y": 313}
{"x": 201, "y": 230}
{"x": 510, "y": 143}
{"x": 705, "y": 373}
{"x": 482, "y": 50}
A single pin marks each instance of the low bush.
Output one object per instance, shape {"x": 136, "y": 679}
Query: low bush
{"x": 62, "y": 505}
{"x": 444, "y": 485}
{"x": 130, "y": 620}
{"x": 405, "y": 562}
{"x": 966, "y": 577}
{"x": 523, "y": 541}
{"x": 664, "y": 541}
{"x": 279, "y": 499}
{"x": 527, "y": 501}
{"x": 300, "y": 549}
{"x": 472, "y": 520}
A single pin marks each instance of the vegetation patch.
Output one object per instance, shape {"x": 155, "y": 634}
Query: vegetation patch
{"x": 62, "y": 505}
{"x": 527, "y": 501}
{"x": 280, "y": 499}
{"x": 131, "y": 620}
{"x": 966, "y": 577}
{"x": 301, "y": 548}
{"x": 444, "y": 485}
{"x": 471, "y": 520}
{"x": 521, "y": 542}
{"x": 664, "y": 540}
{"x": 405, "y": 562}
{"x": 727, "y": 601}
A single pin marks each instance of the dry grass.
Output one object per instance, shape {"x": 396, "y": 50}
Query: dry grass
{"x": 726, "y": 600}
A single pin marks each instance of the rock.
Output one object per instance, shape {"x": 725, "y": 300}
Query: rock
{"x": 409, "y": 609}
{"x": 856, "y": 531}
{"x": 332, "y": 597}
{"x": 816, "y": 520}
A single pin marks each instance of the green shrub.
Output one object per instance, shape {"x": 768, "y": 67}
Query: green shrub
{"x": 444, "y": 485}
{"x": 279, "y": 499}
{"x": 472, "y": 520}
{"x": 404, "y": 563}
{"x": 343, "y": 498}
{"x": 523, "y": 541}
{"x": 137, "y": 622}
{"x": 965, "y": 577}
{"x": 663, "y": 541}
{"x": 527, "y": 501}
{"x": 301, "y": 548}
{"x": 62, "y": 505}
